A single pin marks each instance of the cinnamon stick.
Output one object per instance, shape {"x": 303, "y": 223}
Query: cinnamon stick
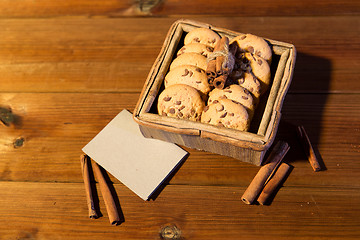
{"x": 219, "y": 65}
{"x": 110, "y": 205}
{"x": 265, "y": 172}
{"x": 309, "y": 150}
{"x": 220, "y": 45}
{"x": 273, "y": 183}
{"x": 85, "y": 162}
{"x": 219, "y": 82}
{"x": 211, "y": 70}
{"x": 211, "y": 67}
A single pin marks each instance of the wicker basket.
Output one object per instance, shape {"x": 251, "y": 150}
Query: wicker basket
{"x": 246, "y": 146}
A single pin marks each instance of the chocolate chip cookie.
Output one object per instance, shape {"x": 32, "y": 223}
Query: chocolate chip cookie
{"x": 226, "y": 113}
{"x": 202, "y": 35}
{"x": 195, "y": 59}
{"x": 189, "y": 75}
{"x": 252, "y": 84}
{"x": 258, "y": 67}
{"x": 180, "y": 101}
{"x": 196, "y": 48}
{"x": 235, "y": 93}
{"x": 255, "y": 45}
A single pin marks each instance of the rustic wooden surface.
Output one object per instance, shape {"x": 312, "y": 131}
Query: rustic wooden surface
{"x": 68, "y": 67}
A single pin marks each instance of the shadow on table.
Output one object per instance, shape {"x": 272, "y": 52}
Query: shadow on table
{"x": 304, "y": 105}
{"x": 166, "y": 181}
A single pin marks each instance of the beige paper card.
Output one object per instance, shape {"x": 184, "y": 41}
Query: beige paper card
{"x": 140, "y": 163}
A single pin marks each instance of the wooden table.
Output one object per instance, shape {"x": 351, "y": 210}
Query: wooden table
{"x": 68, "y": 67}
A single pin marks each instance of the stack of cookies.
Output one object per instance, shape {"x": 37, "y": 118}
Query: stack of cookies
{"x": 188, "y": 94}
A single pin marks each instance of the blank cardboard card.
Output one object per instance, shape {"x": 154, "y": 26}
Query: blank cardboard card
{"x": 140, "y": 163}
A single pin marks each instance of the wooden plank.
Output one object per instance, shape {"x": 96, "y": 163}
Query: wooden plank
{"x": 55, "y": 8}
{"x": 255, "y": 8}
{"x": 113, "y": 8}
{"x": 55, "y": 126}
{"x": 58, "y": 211}
{"x": 75, "y": 59}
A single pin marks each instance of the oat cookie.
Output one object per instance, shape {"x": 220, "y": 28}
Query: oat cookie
{"x": 180, "y": 101}
{"x": 195, "y": 59}
{"x": 189, "y": 75}
{"x": 225, "y": 112}
{"x": 196, "y": 48}
{"x": 253, "y": 44}
{"x": 235, "y": 93}
{"x": 202, "y": 35}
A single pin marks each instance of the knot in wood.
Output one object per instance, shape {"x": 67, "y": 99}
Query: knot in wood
{"x": 147, "y": 5}
{"x": 19, "y": 142}
{"x": 6, "y": 116}
{"x": 170, "y": 232}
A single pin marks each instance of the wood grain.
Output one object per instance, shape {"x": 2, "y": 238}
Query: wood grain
{"x": 75, "y": 59}
{"x": 55, "y": 126}
{"x": 68, "y": 67}
{"x": 113, "y": 8}
{"x": 201, "y": 212}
